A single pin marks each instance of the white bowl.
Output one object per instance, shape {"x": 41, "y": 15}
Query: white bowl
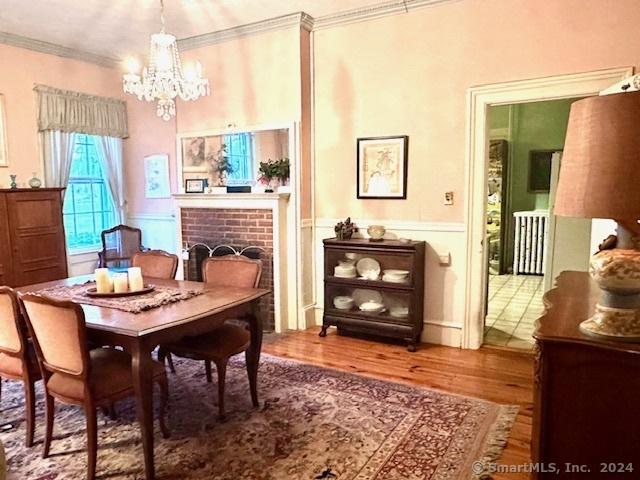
{"x": 345, "y": 271}
{"x": 343, "y": 302}
{"x": 372, "y": 307}
{"x": 351, "y": 255}
{"x": 347, "y": 263}
{"x": 399, "y": 312}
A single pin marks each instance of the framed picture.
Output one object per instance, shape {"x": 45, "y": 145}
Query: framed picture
{"x": 539, "y": 177}
{"x": 4, "y": 156}
{"x": 195, "y": 185}
{"x": 156, "y": 176}
{"x": 382, "y": 167}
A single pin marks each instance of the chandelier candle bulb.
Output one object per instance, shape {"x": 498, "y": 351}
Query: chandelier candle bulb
{"x": 120, "y": 283}
{"x": 135, "y": 279}
{"x": 103, "y": 280}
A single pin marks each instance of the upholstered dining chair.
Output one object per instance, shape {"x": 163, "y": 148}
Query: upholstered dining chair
{"x": 119, "y": 244}
{"x": 74, "y": 375}
{"x": 156, "y": 263}
{"x": 230, "y": 339}
{"x": 17, "y": 356}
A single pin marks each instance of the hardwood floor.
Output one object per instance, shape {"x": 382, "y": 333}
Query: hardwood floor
{"x": 494, "y": 374}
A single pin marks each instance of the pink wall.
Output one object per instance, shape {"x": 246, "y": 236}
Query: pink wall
{"x": 149, "y": 135}
{"x": 254, "y": 80}
{"x": 408, "y": 75}
{"x": 21, "y": 69}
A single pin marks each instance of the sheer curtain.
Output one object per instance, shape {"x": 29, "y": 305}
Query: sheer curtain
{"x": 110, "y": 155}
{"x": 57, "y": 149}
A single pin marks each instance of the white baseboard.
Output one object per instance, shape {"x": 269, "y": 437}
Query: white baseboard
{"x": 449, "y": 335}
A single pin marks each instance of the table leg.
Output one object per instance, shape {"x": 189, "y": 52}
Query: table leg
{"x": 143, "y": 385}
{"x": 253, "y": 353}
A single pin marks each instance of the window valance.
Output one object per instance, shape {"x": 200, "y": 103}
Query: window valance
{"x": 69, "y": 111}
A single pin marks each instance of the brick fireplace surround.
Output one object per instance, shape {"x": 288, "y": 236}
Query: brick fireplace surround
{"x": 235, "y": 227}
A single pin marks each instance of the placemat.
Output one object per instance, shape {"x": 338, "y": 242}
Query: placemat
{"x": 161, "y": 295}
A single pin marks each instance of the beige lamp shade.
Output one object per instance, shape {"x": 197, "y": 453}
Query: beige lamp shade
{"x": 600, "y": 171}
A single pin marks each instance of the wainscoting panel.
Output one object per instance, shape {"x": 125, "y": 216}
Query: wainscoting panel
{"x": 444, "y": 272}
{"x": 158, "y": 230}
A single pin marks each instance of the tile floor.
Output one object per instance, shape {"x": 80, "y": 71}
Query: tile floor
{"x": 515, "y": 303}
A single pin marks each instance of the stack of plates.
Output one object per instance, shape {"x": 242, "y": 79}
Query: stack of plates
{"x": 395, "y": 276}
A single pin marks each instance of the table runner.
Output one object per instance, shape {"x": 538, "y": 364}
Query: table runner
{"x": 161, "y": 295}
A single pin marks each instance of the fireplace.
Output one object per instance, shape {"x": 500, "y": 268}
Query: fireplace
{"x": 238, "y": 228}
{"x": 199, "y": 253}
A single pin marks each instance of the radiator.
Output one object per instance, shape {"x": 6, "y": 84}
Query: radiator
{"x": 530, "y": 249}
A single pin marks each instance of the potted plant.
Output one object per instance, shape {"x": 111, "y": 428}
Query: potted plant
{"x": 274, "y": 173}
{"x": 283, "y": 168}
{"x": 221, "y": 166}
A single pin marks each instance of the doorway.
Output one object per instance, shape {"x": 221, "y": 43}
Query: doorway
{"x": 525, "y": 146}
{"x": 479, "y": 100}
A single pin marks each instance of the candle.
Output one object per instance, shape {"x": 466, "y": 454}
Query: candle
{"x": 135, "y": 279}
{"x": 103, "y": 280}
{"x": 120, "y": 283}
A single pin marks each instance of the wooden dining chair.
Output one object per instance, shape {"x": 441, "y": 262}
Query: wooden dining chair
{"x": 156, "y": 263}
{"x": 230, "y": 339}
{"x": 119, "y": 244}
{"x": 17, "y": 356}
{"x": 74, "y": 375}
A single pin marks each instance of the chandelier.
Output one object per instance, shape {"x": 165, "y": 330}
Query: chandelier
{"x": 164, "y": 79}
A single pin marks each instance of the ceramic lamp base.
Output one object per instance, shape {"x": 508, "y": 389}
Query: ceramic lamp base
{"x": 617, "y": 273}
{"x": 621, "y": 324}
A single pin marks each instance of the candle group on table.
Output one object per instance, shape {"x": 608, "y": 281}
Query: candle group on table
{"x": 131, "y": 281}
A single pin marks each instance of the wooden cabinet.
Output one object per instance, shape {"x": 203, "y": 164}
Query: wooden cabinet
{"x": 586, "y": 391}
{"x": 32, "y": 241}
{"x": 395, "y": 296}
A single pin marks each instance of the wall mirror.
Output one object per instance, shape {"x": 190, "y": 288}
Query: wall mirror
{"x": 229, "y": 158}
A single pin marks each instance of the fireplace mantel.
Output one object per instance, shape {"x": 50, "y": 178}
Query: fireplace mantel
{"x": 283, "y": 238}
{"x": 231, "y": 197}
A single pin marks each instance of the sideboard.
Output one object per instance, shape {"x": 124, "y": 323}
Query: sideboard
{"x": 586, "y": 391}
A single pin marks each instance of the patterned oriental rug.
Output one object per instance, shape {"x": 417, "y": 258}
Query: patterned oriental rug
{"x": 313, "y": 423}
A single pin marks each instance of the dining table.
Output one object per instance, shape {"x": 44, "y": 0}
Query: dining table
{"x": 140, "y": 333}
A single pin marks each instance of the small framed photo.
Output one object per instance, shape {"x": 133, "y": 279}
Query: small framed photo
{"x": 195, "y": 185}
{"x": 382, "y": 167}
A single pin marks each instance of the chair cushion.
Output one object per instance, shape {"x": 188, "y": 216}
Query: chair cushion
{"x": 12, "y": 366}
{"x": 110, "y": 376}
{"x": 223, "y": 342}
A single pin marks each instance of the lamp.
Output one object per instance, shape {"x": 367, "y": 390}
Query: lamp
{"x": 600, "y": 178}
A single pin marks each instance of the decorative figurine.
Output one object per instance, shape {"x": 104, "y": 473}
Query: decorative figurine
{"x": 344, "y": 230}
{"x": 14, "y": 185}
{"x": 35, "y": 182}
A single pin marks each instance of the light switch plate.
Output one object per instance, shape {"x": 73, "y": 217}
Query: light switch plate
{"x": 448, "y": 198}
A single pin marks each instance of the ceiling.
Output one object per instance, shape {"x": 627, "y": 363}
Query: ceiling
{"x": 120, "y": 28}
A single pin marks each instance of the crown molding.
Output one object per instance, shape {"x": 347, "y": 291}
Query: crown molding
{"x": 54, "y": 49}
{"x": 299, "y": 19}
{"x": 371, "y": 12}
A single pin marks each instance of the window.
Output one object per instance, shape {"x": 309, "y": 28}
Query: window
{"x": 240, "y": 154}
{"x": 88, "y": 207}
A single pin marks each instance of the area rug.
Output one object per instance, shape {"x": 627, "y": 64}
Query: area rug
{"x": 313, "y": 423}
